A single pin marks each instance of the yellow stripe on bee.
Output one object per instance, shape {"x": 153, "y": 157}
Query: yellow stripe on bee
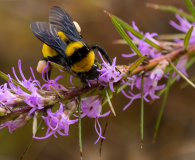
{"x": 85, "y": 64}
{"x": 72, "y": 47}
{"x": 48, "y": 51}
{"x": 62, "y": 36}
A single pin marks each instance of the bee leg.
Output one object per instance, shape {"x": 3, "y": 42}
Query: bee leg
{"x": 83, "y": 79}
{"x": 48, "y": 74}
{"x": 81, "y": 36}
{"x": 102, "y": 51}
{"x": 84, "y": 82}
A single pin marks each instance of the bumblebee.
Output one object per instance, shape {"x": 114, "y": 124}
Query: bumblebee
{"x": 64, "y": 45}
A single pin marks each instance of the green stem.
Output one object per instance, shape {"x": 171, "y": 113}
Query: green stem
{"x": 190, "y": 7}
{"x": 104, "y": 132}
{"x": 53, "y": 89}
{"x": 185, "y": 84}
{"x": 80, "y": 136}
{"x": 31, "y": 141}
{"x": 110, "y": 103}
{"x": 163, "y": 106}
{"x": 171, "y": 9}
{"x": 142, "y": 110}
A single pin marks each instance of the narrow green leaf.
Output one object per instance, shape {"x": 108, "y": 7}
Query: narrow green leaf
{"x": 181, "y": 74}
{"x": 4, "y": 76}
{"x": 89, "y": 94}
{"x": 34, "y": 126}
{"x": 124, "y": 35}
{"x": 163, "y": 106}
{"x": 161, "y": 37}
{"x": 31, "y": 141}
{"x": 185, "y": 84}
{"x": 80, "y": 136}
{"x": 142, "y": 110}
{"x": 61, "y": 68}
{"x": 136, "y": 33}
{"x": 118, "y": 91}
{"x": 165, "y": 88}
{"x": 190, "y": 7}
{"x": 99, "y": 65}
{"x": 109, "y": 102}
{"x": 187, "y": 38}
{"x": 124, "y": 42}
{"x": 188, "y": 65}
{"x": 170, "y": 36}
{"x": 53, "y": 89}
{"x": 6, "y": 107}
{"x": 57, "y": 66}
{"x": 171, "y": 9}
{"x": 137, "y": 63}
{"x": 104, "y": 132}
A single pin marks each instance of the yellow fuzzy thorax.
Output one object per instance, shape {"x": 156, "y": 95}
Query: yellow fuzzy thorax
{"x": 85, "y": 64}
{"x": 48, "y": 51}
{"x": 72, "y": 47}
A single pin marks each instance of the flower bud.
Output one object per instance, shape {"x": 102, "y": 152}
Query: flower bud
{"x": 158, "y": 72}
{"x": 21, "y": 121}
{"x": 71, "y": 106}
{"x": 3, "y": 111}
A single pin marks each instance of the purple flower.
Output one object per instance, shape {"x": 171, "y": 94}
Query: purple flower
{"x": 181, "y": 66}
{"x": 14, "y": 124}
{"x": 34, "y": 99}
{"x": 56, "y": 122}
{"x": 71, "y": 76}
{"x": 144, "y": 47}
{"x": 132, "y": 97}
{"x": 11, "y": 126}
{"x": 91, "y": 107}
{"x": 130, "y": 81}
{"x": 21, "y": 120}
{"x": 158, "y": 72}
{"x": 183, "y": 26}
{"x": 109, "y": 73}
{"x": 54, "y": 83}
{"x": 28, "y": 84}
{"x": 6, "y": 96}
{"x": 150, "y": 86}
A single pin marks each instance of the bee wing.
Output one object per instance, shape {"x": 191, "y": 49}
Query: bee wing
{"x": 48, "y": 34}
{"x": 64, "y": 23}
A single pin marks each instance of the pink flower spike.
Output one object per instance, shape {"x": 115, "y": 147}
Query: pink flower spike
{"x": 56, "y": 122}
{"x": 71, "y": 76}
{"x": 108, "y": 74}
{"x": 99, "y": 133}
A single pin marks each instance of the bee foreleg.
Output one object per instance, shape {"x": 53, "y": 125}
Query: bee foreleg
{"x": 102, "y": 51}
{"x": 48, "y": 73}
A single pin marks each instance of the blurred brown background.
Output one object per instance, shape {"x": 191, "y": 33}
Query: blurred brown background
{"x": 176, "y": 137}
